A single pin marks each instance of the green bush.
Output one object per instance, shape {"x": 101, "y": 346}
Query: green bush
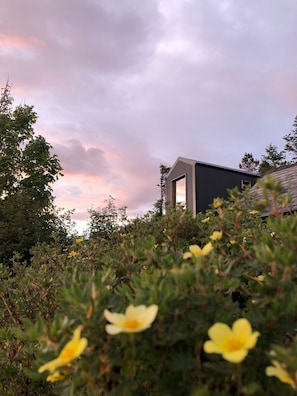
{"x": 221, "y": 266}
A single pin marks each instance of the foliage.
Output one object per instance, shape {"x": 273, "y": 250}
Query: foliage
{"x": 27, "y": 172}
{"x": 107, "y": 220}
{"x": 249, "y": 163}
{"x": 291, "y": 141}
{"x": 160, "y": 204}
{"x": 273, "y": 158}
{"x": 249, "y": 273}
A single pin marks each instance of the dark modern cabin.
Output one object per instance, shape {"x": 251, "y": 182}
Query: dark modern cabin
{"x": 195, "y": 184}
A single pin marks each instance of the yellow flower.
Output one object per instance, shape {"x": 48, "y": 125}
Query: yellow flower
{"x": 232, "y": 242}
{"x": 71, "y": 351}
{"x": 261, "y": 278}
{"x": 254, "y": 212}
{"x": 216, "y": 235}
{"x": 233, "y": 343}
{"x": 176, "y": 270}
{"x": 217, "y": 203}
{"x": 195, "y": 250}
{"x": 205, "y": 220}
{"x": 278, "y": 371}
{"x": 134, "y": 320}
{"x": 79, "y": 240}
{"x": 56, "y": 376}
{"x": 72, "y": 254}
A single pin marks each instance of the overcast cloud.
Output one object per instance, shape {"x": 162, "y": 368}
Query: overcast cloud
{"x": 121, "y": 86}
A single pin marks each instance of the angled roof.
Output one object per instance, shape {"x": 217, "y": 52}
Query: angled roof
{"x": 194, "y": 162}
{"x": 287, "y": 176}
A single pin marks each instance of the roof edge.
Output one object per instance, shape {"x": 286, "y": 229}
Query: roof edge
{"x": 194, "y": 162}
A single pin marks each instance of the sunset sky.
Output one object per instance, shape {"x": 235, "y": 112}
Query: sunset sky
{"x": 122, "y": 86}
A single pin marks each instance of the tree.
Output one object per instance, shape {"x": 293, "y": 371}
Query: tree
{"x": 272, "y": 160}
{"x": 160, "y": 203}
{"x": 291, "y": 142}
{"x": 27, "y": 171}
{"x": 249, "y": 163}
{"x": 106, "y": 221}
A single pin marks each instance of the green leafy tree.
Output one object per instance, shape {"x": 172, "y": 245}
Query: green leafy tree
{"x": 27, "y": 171}
{"x": 105, "y": 221}
{"x": 291, "y": 141}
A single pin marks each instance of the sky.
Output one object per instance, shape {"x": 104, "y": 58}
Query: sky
{"x": 122, "y": 86}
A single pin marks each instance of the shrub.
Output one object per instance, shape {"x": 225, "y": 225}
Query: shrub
{"x": 204, "y": 275}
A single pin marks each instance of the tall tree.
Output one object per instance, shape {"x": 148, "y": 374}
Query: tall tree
{"x": 249, "y": 163}
{"x": 27, "y": 172}
{"x": 160, "y": 203}
{"x": 273, "y": 159}
{"x": 291, "y": 142}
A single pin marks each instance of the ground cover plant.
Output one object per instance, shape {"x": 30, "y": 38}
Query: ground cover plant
{"x": 166, "y": 305}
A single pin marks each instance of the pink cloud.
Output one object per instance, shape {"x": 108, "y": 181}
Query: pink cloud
{"x": 120, "y": 87}
{"x": 126, "y": 171}
{"x": 77, "y": 160}
{"x": 284, "y": 88}
{"x": 17, "y": 42}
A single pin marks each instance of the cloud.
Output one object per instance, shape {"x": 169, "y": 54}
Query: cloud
{"x": 77, "y": 160}
{"x": 79, "y": 41}
{"x": 124, "y": 169}
{"x": 121, "y": 86}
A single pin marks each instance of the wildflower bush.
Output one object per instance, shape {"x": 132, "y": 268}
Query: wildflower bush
{"x": 165, "y": 306}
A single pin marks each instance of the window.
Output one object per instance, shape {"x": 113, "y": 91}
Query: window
{"x": 245, "y": 183}
{"x": 180, "y": 193}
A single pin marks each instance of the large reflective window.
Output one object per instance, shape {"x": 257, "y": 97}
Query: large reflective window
{"x": 180, "y": 192}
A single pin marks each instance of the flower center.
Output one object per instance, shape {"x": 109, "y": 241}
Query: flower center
{"x": 67, "y": 353}
{"x": 235, "y": 345}
{"x": 131, "y": 324}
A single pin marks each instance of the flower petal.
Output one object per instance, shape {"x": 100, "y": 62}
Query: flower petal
{"x": 114, "y": 318}
{"x": 77, "y": 333}
{"x": 207, "y": 249}
{"x": 236, "y": 356}
{"x": 112, "y": 329}
{"x": 252, "y": 341}
{"x": 71, "y": 351}
{"x": 56, "y": 376}
{"x": 196, "y": 250}
{"x": 220, "y": 333}
{"x": 152, "y": 312}
{"x": 52, "y": 366}
{"x": 132, "y": 312}
{"x": 216, "y": 235}
{"x": 242, "y": 328}
{"x": 280, "y": 373}
{"x": 211, "y": 347}
{"x": 134, "y": 320}
{"x": 243, "y": 331}
{"x": 144, "y": 315}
